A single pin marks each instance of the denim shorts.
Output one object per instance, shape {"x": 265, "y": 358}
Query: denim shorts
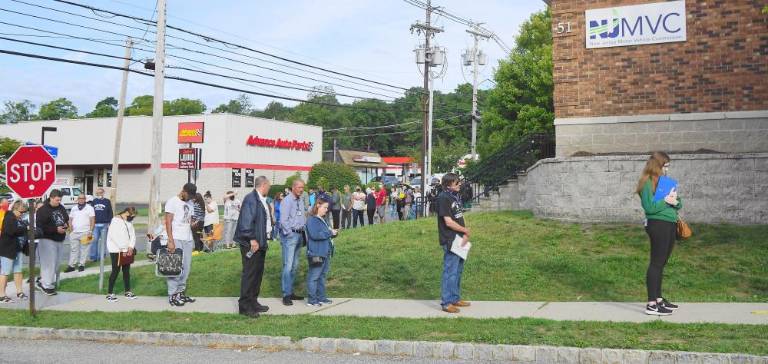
{"x": 8, "y": 266}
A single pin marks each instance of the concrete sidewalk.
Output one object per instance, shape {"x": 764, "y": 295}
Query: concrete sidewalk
{"x": 730, "y": 313}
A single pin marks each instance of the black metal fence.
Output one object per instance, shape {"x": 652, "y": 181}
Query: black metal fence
{"x": 486, "y": 175}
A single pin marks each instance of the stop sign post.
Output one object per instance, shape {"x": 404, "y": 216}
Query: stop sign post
{"x": 30, "y": 172}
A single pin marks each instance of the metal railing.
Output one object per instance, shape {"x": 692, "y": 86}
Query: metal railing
{"x": 486, "y": 175}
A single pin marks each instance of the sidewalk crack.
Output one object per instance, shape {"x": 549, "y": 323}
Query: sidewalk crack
{"x": 542, "y": 306}
{"x": 332, "y": 306}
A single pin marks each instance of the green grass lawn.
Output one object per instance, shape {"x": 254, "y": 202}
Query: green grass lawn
{"x": 750, "y": 339}
{"x": 515, "y": 257}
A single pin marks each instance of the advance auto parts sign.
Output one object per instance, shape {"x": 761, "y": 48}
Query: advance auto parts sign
{"x": 192, "y": 132}
{"x": 255, "y": 141}
{"x": 637, "y": 24}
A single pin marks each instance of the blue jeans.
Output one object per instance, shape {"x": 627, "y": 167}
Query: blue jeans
{"x": 316, "y": 282}
{"x": 99, "y": 231}
{"x": 450, "y": 284}
{"x": 9, "y": 266}
{"x": 291, "y": 247}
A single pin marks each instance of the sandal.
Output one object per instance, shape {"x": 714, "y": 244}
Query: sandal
{"x": 6, "y": 299}
{"x": 22, "y": 296}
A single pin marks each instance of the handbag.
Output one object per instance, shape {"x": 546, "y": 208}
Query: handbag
{"x": 169, "y": 265}
{"x": 683, "y": 229}
{"x": 124, "y": 259}
{"x": 316, "y": 261}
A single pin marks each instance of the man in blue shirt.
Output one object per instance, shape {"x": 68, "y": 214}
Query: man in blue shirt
{"x": 103, "y": 208}
{"x": 293, "y": 218}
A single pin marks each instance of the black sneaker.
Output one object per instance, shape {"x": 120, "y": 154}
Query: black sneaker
{"x": 39, "y": 285}
{"x": 296, "y": 297}
{"x": 129, "y": 295}
{"x": 287, "y": 301}
{"x": 261, "y": 308}
{"x": 175, "y": 301}
{"x": 69, "y": 269}
{"x": 81, "y": 268}
{"x": 657, "y": 310}
{"x": 668, "y": 305}
{"x": 183, "y": 296}
{"x": 50, "y": 292}
{"x": 111, "y": 298}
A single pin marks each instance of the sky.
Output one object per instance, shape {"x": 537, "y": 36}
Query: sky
{"x": 365, "y": 38}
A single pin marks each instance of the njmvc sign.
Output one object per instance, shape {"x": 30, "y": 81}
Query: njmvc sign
{"x": 636, "y": 24}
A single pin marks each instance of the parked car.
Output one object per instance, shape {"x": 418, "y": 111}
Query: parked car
{"x": 69, "y": 195}
{"x": 387, "y": 180}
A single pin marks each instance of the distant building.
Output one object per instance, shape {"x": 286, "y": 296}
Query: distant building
{"x": 235, "y": 150}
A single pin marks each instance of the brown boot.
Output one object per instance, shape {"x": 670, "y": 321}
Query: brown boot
{"x": 462, "y": 303}
{"x": 451, "y": 309}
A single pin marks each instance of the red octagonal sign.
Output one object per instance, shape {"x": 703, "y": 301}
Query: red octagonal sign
{"x": 30, "y": 171}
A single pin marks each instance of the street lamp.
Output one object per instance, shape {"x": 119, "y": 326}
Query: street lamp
{"x": 42, "y": 133}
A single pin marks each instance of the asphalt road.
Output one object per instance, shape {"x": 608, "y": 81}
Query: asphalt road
{"x": 82, "y": 352}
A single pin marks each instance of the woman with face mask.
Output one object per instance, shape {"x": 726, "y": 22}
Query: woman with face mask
{"x": 121, "y": 240}
{"x": 661, "y": 226}
{"x": 11, "y": 242}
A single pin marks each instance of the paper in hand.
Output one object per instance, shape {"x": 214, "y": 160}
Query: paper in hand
{"x": 461, "y": 251}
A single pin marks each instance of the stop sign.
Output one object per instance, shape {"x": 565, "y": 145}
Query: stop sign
{"x": 30, "y": 171}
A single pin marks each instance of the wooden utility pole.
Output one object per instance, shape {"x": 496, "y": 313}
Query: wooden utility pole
{"x": 157, "y": 118}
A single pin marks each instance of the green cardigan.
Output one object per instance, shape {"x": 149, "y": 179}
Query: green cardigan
{"x": 659, "y": 210}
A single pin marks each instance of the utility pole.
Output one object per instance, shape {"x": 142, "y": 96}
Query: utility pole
{"x": 428, "y": 57}
{"x": 477, "y": 58}
{"x": 157, "y": 118}
{"x": 116, "y": 154}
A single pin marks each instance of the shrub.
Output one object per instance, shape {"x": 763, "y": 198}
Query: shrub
{"x": 332, "y": 175}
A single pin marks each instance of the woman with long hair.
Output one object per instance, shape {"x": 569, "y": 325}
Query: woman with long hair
{"x": 319, "y": 252}
{"x": 121, "y": 243}
{"x": 661, "y": 227}
{"x": 12, "y": 240}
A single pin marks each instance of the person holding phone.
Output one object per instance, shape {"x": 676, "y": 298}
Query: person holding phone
{"x": 450, "y": 222}
{"x": 319, "y": 252}
{"x": 661, "y": 227}
{"x": 253, "y": 230}
{"x": 121, "y": 244}
{"x": 53, "y": 219}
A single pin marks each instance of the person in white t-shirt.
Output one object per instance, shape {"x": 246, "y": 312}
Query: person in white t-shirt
{"x": 178, "y": 215}
{"x": 82, "y": 219}
{"x": 211, "y": 217}
{"x": 231, "y": 213}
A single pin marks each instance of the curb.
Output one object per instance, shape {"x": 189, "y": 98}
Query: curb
{"x": 418, "y": 349}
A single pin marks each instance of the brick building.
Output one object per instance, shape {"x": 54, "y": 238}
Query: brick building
{"x": 706, "y": 90}
{"x": 631, "y": 76}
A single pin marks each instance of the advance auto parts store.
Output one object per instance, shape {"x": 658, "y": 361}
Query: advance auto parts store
{"x": 235, "y": 149}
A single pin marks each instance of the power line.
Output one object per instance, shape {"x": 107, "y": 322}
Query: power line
{"x": 352, "y": 128}
{"x": 392, "y": 133}
{"x": 212, "y": 39}
{"x": 206, "y": 53}
{"x": 82, "y": 63}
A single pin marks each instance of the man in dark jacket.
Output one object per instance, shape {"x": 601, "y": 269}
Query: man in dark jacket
{"x": 52, "y": 218}
{"x": 103, "y": 208}
{"x": 251, "y": 234}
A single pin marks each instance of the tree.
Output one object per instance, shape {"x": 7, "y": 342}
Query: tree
{"x": 183, "y": 106}
{"x": 58, "y": 109}
{"x": 104, "y": 109}
{"x": 445, "y": 154}
{"x": 274, "y": 110}
{"x": 330, "y": 175}
{"x": 522, "y": 101}
{"x": 143, "y": 105}
{"x": 14, "y": 112}
{"x": 7, "y": 147}
{"x": 241, "y": 106}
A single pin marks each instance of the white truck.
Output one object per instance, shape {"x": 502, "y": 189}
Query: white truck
{"x": 69, "y": 195}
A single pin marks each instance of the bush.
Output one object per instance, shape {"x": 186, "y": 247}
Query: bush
{"x": 293, "y": 177}
{"x": 274, "y": 189}
{"x": 332, "y": 175}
